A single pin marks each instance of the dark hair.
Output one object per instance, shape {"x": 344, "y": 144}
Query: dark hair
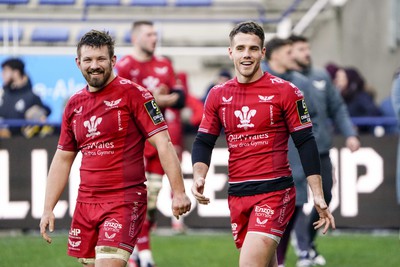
{"x": 96, "y": 39}
{"x": 14, "y": 64}
{"x": 249, "y": 27}
{"x": 139, "y": 23}
{"x": 274, "y": 44}
{"x": 297, "y": 38}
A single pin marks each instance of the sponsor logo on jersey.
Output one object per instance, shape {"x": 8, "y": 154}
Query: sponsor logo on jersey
{"x": 92, "y": 126}
{"x": 154, "y": 111}
{"x": 112, "y": 225}
{"x": 265, "y": 98}
{"x": 244, "y": 115}
{"x": 78, "y": 111}
{"x": 261, "y": 222}
{"x": 302, "y": 111}
{"x": 74, "y": 232}
{"x": 227, "y": 100}
{"x": 74, "y": 244}
{"x": 112, "y": 104}
{"x": 264, "y": 211}
{"x": 108, "y": 236}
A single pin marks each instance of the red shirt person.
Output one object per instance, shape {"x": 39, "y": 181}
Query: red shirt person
{"x": 157, "y": 75}
{"x": 108, "y": 121}
{"x": 257, "y": 112}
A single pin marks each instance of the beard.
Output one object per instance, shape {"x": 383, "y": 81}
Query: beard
{"x": 303, "y": 64}
{"x": 97, "y": 82}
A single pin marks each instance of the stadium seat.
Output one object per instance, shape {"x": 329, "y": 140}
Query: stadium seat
{"x": 127, "y": 36}
{"x": 193, "y": 2}
{"x": 10, "y": 32}
{"x": 57, "y": 2}
{"x": 50, "y": 34}
{"x": 148, "y": 2}
{"x": 14, "y": 2}
{"x": 112, "y": 32}
{"x": 102, "y": 2}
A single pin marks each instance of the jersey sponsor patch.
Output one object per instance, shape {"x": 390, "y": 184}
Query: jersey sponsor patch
{"x": 303, "y": 111}
{"x": 154, "y": 112}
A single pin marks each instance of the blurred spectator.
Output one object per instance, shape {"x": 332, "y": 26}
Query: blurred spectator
{"x": 387, "y": 110}
{"x": 223, "y": 76}
{"x": 192, "y": 113}
{"x": 18, "y": 101}
{"x": 353, "y": 88}
{"x": 396, "y": 105}
{"x": 331, "y": 108}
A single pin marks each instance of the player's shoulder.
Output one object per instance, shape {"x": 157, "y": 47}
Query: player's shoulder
{"x": 277, "y": 82}
{"x": 162, "y": 59}
{"x": 131, "y": 88}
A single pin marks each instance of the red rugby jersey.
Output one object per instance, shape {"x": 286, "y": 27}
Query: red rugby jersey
{"x": 110, "y": 128}
{"x": 150, "y": 74}
{"x": 257, "y": 118}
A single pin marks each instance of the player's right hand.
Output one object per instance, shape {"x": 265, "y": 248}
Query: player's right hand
{"x": 198, "y": 189}
{"x": 47, "y": 220}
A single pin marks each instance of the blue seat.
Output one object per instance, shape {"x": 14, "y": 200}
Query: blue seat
{"x": 57, "y": 2}
{"x": 82, "y": 32}
{"x": 10, "y": 33}
{"x": 148, "y": 2}
{"x": 14, "y": 2}
{"x": 102, "y": 2}
{"x": 127, "y": 36}
{"x": 193, "y": 2}
{"x": 50, "y": 34}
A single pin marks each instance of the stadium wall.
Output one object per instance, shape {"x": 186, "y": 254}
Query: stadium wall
{"x": 364, "y": 194}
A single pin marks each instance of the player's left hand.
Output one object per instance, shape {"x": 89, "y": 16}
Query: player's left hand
{"x": 325, "y": 216}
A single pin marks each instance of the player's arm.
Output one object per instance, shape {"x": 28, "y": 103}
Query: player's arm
{"x": 170, "y": 163}
{"x": 308, "y": 151}
{"x": 56, "y": 181}
{"x": 202, "y": 149}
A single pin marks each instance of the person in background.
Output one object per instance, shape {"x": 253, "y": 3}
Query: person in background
{"x": 224, "y": 75}
{"x": 395, "y": 94}
{"x": 18, "y": 101}
{"x": 279, "y": 62}
{"x": 155, "y": 73}
{"x": 353, "y": 88}
{"x": 331, "y": 109}
{"x": 258, "y": 112}
{"x": 193, "y": 111}
{"x": 108, "y": 121}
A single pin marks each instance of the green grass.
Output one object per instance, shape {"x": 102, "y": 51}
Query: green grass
{"x": 210, "y": 250}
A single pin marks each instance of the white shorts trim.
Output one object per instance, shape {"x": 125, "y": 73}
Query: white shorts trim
{"x": 277, "y": 239}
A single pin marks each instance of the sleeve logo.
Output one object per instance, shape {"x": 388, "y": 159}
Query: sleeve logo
{"x": 302, "y": 111}
{"x": 154, "y": 112}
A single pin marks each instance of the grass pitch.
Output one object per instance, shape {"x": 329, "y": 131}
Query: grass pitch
{"x": 208, "y": 249}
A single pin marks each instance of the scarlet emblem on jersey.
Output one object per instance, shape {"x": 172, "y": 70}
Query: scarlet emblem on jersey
{"x": 112, "y": 104}
{"x": 302, "y": 111}
{"x": 244, "y": 115}
{"x": 154, "y": 111}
